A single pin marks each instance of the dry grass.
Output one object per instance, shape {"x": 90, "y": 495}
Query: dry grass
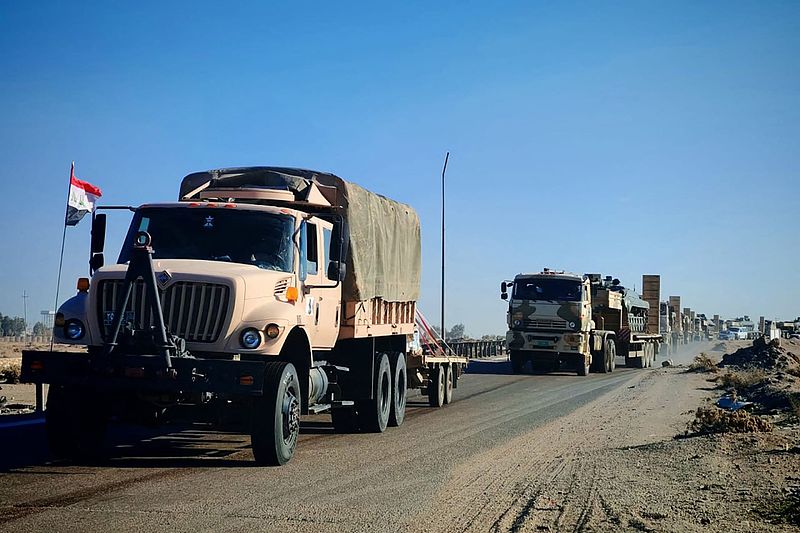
{"x": 704, "y": 363}
{"x": 10, "y": 370}
{"x": 713, "y": 420}
{"x": 741, "y": 381}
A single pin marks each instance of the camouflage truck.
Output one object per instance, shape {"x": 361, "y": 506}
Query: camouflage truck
{"x": 264, "y": 293}
{"x": 558, "y": 319}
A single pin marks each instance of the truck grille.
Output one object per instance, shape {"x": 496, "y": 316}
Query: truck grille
{"x": 544, "y": 324}
{"x": 192, "y": 310}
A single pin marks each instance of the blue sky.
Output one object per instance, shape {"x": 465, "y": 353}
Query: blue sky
{"x": 622, "y": 138}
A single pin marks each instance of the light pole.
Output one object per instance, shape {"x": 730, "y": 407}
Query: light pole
{"x": 444, "y": 169}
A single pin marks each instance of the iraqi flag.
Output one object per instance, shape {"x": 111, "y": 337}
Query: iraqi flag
{"x": 82, "y": 197}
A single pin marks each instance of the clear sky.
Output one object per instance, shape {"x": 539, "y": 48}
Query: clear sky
{"x": 621, "y": 137}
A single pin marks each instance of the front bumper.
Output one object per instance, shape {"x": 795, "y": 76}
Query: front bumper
{"x": 143, "y": 373}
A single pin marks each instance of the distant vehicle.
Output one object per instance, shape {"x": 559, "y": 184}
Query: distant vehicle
{"x": 736, "y": 334}
{"x": 584, "y": 322}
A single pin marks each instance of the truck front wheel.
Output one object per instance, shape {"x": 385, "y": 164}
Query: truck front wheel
{"x": 517, "y": 363}
{"x": 449, "y": 378}
{"x": 74, "y": 422}
{"x": 276, "y": 415}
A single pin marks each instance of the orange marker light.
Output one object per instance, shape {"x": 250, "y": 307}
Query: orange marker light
{"x": 292, "y": 294}
{"x": 83, "y": 284}
{"x": 246, "y": 380}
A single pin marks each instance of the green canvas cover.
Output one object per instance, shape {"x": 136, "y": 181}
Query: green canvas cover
{"x": 384, "y": 259}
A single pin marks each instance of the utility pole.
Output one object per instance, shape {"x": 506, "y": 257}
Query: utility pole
{"x": 444, "y": 169}
{"x": 25, "y": 311}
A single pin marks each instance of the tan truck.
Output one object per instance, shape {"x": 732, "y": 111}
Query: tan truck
{"x": 268, "y": 291}
{"x": 558, "y": 319}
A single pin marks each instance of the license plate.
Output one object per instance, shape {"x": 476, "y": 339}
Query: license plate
{"x": 543, "y": 344}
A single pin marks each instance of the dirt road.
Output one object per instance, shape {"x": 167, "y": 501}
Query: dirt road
{"x": 513, "y": 453}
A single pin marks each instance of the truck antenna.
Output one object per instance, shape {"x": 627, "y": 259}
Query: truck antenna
{"x": 444, "y": 170}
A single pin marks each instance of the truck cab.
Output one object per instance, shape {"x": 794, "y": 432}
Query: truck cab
{"x": 550, "y": 321}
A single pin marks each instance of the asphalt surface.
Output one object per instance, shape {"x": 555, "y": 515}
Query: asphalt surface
{"x": 191, "y": 478}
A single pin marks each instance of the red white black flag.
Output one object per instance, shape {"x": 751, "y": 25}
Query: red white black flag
{"x": 82, "y": 197}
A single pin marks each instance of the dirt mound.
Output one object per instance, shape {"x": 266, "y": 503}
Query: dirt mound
{"x": 712, "y": 420}
{"x": 762, "y": 354}
{"x": 719, "y": 347}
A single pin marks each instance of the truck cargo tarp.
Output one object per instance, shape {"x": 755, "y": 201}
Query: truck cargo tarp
{"x": 385, "y": 256}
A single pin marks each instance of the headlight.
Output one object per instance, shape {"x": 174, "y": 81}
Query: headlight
{"x": 74, "y": 329}
{"x": 517, "y": 323}
{"x": 250, "y": 338}
{"x": 272, "y": 331}
{"x": 571, "y": 325}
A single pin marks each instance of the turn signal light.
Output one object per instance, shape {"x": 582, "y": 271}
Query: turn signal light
{"x": 59, "y": 320}
{"x": 36, "y": 365}
{"x": 83, "y": 284}
{"x": 292, "y": 294}
{"x": 246, "y": 380}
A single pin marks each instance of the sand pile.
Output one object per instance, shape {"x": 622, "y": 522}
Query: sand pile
{"x": 762, "y": 354}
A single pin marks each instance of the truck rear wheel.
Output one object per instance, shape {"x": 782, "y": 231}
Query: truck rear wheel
{"x": 275, "y": 416}
{"x": 436, "y": 386}
{"x": 75, "y": 423}
{"x": 373, "y": 415}
{"x": 399, "y": 390}
{"x": 449, "y": 376}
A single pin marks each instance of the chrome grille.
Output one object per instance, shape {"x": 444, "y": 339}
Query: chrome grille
{"x": 192, "y": 310}
{"x": 545, "y": 324}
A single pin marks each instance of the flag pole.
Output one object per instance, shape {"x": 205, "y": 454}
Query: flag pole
{"x": 61, "y": 260}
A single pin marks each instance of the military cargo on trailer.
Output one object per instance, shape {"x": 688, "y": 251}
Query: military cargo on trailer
{"x": 265, "y": 291}
{"x": 558, "y": 319}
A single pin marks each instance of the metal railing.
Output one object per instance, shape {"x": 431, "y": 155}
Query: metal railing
{"x": 479, "y": 349}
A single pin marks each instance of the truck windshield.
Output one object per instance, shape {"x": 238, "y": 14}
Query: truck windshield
{"x": 553, "y": 289}
{"x": 237, "y": 236}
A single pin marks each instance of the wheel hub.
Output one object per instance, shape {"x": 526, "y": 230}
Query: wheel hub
{"x": 291, "y": 416}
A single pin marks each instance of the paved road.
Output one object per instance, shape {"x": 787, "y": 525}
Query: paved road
{"x": 190, "y": 479}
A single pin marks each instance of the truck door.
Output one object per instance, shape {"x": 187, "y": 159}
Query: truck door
{"x": 323, "y": 300}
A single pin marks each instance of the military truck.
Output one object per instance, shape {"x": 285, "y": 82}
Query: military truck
{"x": 265, "y": 292}
{"x": 583, "y": 322}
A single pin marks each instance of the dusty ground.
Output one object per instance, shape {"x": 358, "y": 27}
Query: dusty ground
{"x": 614, "y": 465}
{"x": 513, "y": 453}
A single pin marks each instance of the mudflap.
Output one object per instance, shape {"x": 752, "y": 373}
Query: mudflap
{"x": 143, "y": 373}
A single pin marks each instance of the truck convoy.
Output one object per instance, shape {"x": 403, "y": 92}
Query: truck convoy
{"x": 266, "y": 292}
{"x": 584, "y": 322}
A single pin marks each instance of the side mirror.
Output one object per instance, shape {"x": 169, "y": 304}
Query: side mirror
{"x": 96, "y": 262}
{"x": 336, "y": 270}
{"x": 504, "y": 295}
{"x": 98, "y": 234}
{"x": 504, "y": 287}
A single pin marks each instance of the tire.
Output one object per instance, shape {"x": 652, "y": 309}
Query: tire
{"x": 611, "y": 347}
{"x": 436, "y": 386}
{"x": 373, "y": 415}
{"x": 75, "y": 423}
{"x": 399, "y": 391}
{"x": 583, "y": 368}
{"x": 449, "y": 378}
{"x": 275, "y": 417}
{"x": 517, "y": 363}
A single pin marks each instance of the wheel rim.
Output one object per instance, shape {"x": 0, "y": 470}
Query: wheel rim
{"x": 449, "y": 383}
{"x": 290, "y": 413}
{"x": 386, "y": 389}
{"x": 401, "y": 389}
{"x": 441, "y": 382}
